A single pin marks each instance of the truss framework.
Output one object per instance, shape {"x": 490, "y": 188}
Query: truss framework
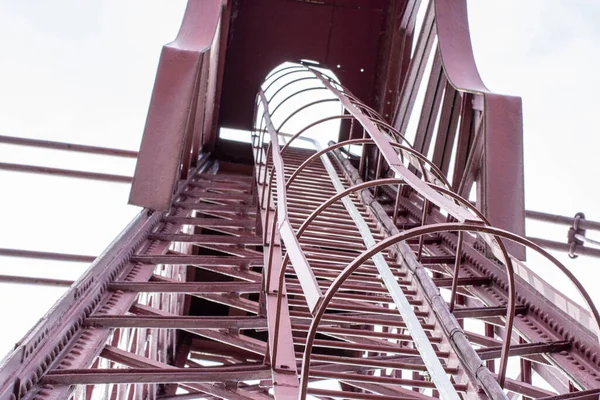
{"x": 320, "y": 272}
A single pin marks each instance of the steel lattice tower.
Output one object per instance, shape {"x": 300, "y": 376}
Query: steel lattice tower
{"x": 270, "y": 270}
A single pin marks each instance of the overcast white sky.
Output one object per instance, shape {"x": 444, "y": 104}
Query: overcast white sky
{"x": 83, "y": 72}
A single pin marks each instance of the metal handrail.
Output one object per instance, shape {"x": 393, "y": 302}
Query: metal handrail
{"x": 417, "y": 158}
{"x": 443, "y": 197}
{"x": 392, "y": 181}
{"x": 418, "y": 163}
{"x": 522, "y": 269}
{"x": 417, "y": 232}
{"x": 391, "y": 157}
{"x": 286, "y": 231}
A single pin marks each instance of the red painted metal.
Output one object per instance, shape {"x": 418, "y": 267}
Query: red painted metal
{"x": 503, "y": 161}
{"x": 174, "y": 91}
{"x": 25, "y": 280}
{"x": 265, "y": 34}
{"x": 43, "y": 255}
{"x": 511, "y": 285}
{"x": 67, "y": 173}
{"x": 258, "y": 281}
{"x": 47, "y": 144}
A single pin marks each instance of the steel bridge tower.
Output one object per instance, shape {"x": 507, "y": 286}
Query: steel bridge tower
{"x": 289, "y": 268}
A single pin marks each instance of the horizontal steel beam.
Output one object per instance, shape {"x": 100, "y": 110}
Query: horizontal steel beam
{"x": 336, "y": 394}
{"x": 473, "y": 281}
{"x": 345, "y": 363}
{"x": 208, "y": 222}
{"x": 484, "y": 312}
{"x": 565, "y": 247}
{"x": 80, "y": 148}
{"x": 176, "y": 322}
{"x": 42, "y": 255}
{"x": 340, "y": 376}
{"x": 210, "y": 207}
{"x": 28, "y": 280}
{"x": 561, "y": 219}
{"x": 67, "y": 173}
{"x": 591, "y": 394}
{"x": 186, "y": 287}
{"x": 198, "y": 260}
{"x": 156, "y": 375}
{"x": 208, "y": 239}
{"x": 524, "y": 349}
